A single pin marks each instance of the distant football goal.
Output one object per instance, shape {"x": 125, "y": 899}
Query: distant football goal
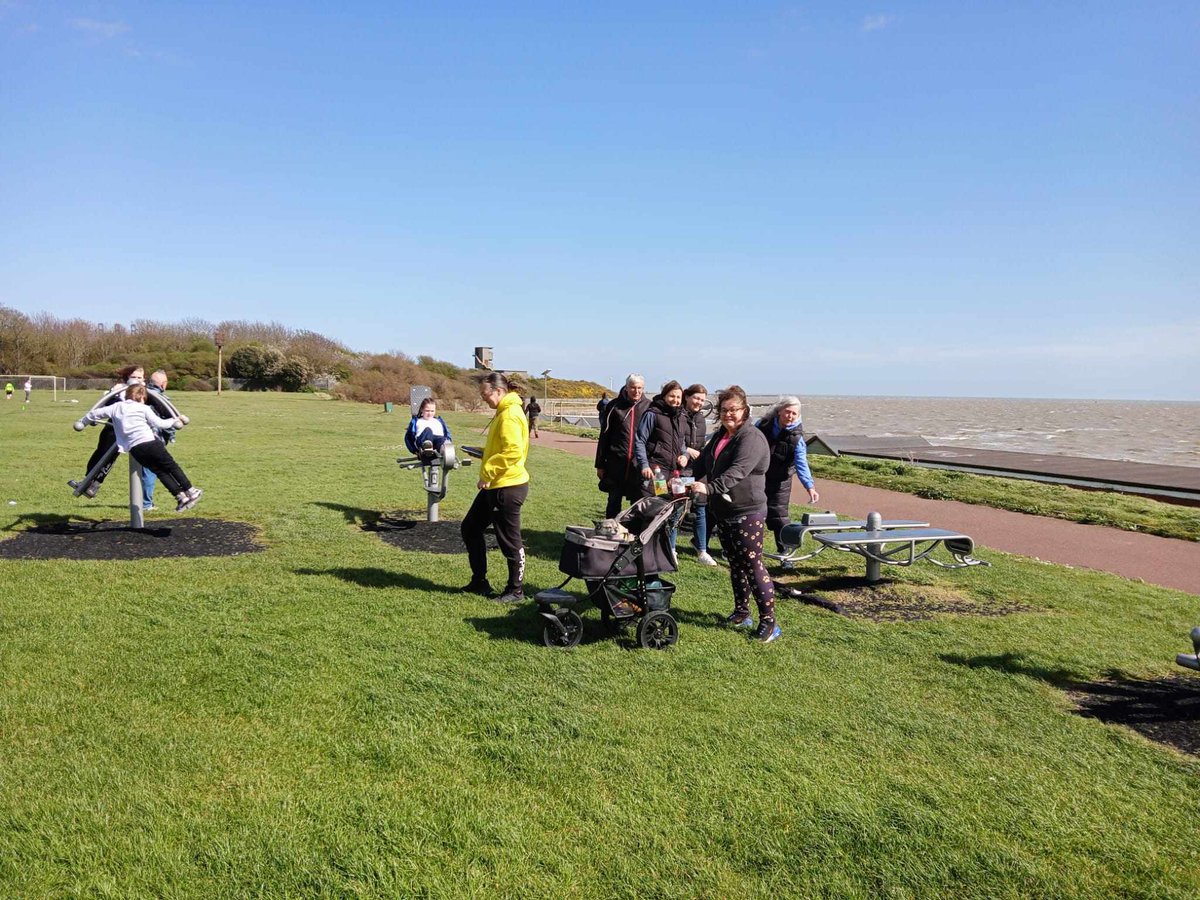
{"x": 38, "y": 383}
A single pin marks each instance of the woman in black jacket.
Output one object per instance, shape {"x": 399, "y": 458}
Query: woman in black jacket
{"x": 731, "y": 469}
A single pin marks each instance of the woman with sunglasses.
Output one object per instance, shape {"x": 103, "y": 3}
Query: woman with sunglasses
{"x": 731, "y": 471}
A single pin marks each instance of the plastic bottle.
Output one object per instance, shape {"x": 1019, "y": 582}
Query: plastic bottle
{"x": 675, "y": 484}
{"x": 660, "y": 482}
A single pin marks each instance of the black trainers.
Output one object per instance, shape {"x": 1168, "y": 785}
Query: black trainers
{"x": 478, "y": 586}
{"x": 512, "y": 595}
{"x": 767, "y": 632}
{"x": 733, "y": 620}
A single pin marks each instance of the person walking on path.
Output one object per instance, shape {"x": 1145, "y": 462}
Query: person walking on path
{"x": 503, "y": 486}
{"x": 134, "y": 424}
{"x": 533, "y": 409}
{"x": 731, "y": 469}
{"x": 696, "y": 417}
{"x": 28, "y": 388}
{"x": 602, "y": 404}
{"x": 157, "y": 384}
{"x": 615, "y": 466}
{"x": 789, "y": 456}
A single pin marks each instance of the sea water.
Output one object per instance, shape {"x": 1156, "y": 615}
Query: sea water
{"x": 1141, "y": 431}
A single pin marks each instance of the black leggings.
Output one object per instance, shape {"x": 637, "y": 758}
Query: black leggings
{"x": 779, "y": 494}
{"x": 107, "y": 438}
{"x": 153, "y": 455}
{"x": 500, "y": 507}
{"x": 742, "y": 541}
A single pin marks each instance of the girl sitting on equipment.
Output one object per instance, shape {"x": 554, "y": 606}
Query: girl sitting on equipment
{"x": 426, "y": 427}
{"x": 134, "y": 423}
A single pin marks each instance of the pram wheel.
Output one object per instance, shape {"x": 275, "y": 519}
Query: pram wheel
{"x": 568, "y": 632}
{"x": 658, "y": 630}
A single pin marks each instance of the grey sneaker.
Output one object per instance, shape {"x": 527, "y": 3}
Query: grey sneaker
{"x": 189, "y": 498}
{"x": 705, "y": 559}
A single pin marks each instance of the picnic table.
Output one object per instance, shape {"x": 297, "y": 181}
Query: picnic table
{"x": 903, "y": 547}
{"x": 792, "y": 535}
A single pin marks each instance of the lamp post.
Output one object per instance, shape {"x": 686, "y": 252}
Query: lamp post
{"x": 546, "y": 386}
{"x": 219, "y": 340}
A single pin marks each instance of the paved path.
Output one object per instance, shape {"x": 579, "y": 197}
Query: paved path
{"x": 1164, "y": 561}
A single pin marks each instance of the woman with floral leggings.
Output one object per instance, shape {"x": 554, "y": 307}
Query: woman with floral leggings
{"x": 731, "y": 470}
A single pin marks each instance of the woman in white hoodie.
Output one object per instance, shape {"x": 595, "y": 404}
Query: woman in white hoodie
{"x": 134, "y": 423}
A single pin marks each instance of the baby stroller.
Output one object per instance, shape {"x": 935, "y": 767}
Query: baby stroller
{"x": 621, "y": 562}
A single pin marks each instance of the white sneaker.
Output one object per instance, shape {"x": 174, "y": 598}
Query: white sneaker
{"x": 705, "y": 560}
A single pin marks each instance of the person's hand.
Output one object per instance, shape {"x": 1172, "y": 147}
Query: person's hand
{"x": 698, "y": 487}
{"x": 813, "y": 494}
{"x": 682, "y": 459}
{"x": 647, "y": 473}
{"x": 600, "y": 474}
{"x": 482, "y": 485}
{"x": 183, "y": 420}
{"x": 693, "y": 453}
{"x": 80, "y": 425}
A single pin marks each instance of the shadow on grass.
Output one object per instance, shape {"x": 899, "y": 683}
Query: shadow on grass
{"x": 524, "y": 625}
{"x": 1166, "y": 710}
{"x": 372, "y": 577}
{"x": 29, "y": 521}
{"x": 540, "y": 544}
{"x": 1017, "y": 664}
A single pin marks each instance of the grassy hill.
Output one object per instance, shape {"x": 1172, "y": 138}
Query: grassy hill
{"x": 329, "y": 717}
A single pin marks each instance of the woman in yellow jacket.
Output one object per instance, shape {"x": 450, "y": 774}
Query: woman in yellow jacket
{"x": 503, "y": 487}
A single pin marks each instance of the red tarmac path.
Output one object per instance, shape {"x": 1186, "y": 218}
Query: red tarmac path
{"x": 1164, "y": 561}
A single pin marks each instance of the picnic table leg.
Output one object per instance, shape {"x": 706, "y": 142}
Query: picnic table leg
{"x": 874, "y": 569}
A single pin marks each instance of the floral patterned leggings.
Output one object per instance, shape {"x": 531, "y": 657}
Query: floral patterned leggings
{"x": 742, "y": 541}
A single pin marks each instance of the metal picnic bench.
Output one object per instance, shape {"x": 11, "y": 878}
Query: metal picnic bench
{"x": 792, "y": 535}
{"x": 902, "y": 546}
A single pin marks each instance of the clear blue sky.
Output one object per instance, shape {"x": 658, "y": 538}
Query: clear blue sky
{"x": 917, "y": 198}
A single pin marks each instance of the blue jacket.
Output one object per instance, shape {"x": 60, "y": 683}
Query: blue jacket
{"x": 410, "y": 436}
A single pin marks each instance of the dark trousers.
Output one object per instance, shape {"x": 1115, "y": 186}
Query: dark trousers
{"x": 107, "y": 438}
{"x": 614, "y": 504}
{"x": 778, "y": 496}
{"x": 153, "y": 455}
{"x": 742, "y": 541}
{"x": 501, "y": 508}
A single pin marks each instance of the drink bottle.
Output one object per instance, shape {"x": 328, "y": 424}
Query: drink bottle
{"x": 660, "y": 482}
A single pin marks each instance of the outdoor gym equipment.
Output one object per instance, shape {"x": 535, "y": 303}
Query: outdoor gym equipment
{"x": 902, "y": 546}
{"x": 161, "y": 405}
{"x": 791, "y": 536}
{"x": 436, "y": 464}
{"x": 1191, "y": 660}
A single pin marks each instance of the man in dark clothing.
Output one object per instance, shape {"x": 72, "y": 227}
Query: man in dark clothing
{"x": 602, "y": 404}
{"x": 533, "y": 409}
{"x": 615, "y": 466}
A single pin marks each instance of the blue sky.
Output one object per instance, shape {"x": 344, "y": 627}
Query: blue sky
{"x": 827, "y": 198}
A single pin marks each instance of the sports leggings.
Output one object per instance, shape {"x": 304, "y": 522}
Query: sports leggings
{"x": 742, "y": 541}
{"x": 153, "y": 455}
{"x": 500, "y": 507}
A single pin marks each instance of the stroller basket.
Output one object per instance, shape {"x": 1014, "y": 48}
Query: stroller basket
{"x": 586, "y": 556}
{"x": 658, "y": 592}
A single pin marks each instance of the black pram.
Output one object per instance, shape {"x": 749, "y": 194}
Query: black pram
{"x": 621, "y": 561}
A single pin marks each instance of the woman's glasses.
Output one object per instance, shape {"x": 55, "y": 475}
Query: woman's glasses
{"x": 731, "y": 410}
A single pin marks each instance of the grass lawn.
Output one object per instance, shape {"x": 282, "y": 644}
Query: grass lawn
{"x": 329, "y": 718}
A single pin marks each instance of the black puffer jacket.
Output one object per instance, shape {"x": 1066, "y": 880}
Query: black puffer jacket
{"x": 614, "y": 449}
{"x": 738, "y": 473}
{"x": 661, "y": 437}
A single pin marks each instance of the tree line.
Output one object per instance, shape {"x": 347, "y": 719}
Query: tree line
{"x": 262, "y": 356}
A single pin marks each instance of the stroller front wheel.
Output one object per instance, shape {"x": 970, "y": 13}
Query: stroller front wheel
{"x": 658, "y": 630}
{"x": 566, "y": 633}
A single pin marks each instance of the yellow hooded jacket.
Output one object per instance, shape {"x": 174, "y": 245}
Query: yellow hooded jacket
{"x": 507, "y": 445}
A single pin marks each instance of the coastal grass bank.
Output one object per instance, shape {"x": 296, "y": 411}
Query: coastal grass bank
{"x": 328, "y": 716}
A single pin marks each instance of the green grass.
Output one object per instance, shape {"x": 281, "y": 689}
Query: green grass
{"x": 328, "y": 718}
{"x": 1115, "y": 510}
